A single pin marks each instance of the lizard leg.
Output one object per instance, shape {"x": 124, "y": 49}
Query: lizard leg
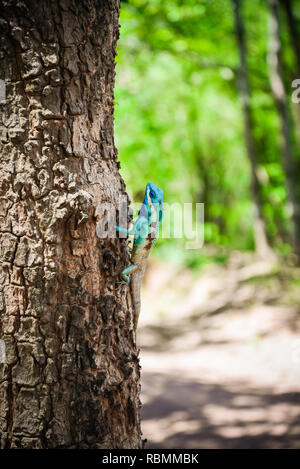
{"x": 126, "y": 272}
{"x": 125, "y": 230}
{"x": 140, "y": 222}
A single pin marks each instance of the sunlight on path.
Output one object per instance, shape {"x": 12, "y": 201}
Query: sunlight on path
{"x": 228, "y": 378}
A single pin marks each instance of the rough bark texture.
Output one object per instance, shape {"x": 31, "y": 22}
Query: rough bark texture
{"x": 278, "y": 90}
{"x": 262, "y": 246}
{"x": 71, "y": 377}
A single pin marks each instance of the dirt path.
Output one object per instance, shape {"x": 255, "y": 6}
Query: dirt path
{"x": 222, "y": 368}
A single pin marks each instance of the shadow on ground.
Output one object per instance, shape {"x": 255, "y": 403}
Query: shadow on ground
{"x": 187, "y": 414}
{"x": 221, "y": 369}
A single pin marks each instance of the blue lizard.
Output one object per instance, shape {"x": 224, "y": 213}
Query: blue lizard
{"x": 145, "y": 231}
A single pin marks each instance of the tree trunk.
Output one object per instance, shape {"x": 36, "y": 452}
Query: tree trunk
{"x": 294, "y": 33}
{"x": 277, "y": 85}
{"x": 262, "y": 246}
{"x": 71, "y": 372}
{"x": 295, "y": 37}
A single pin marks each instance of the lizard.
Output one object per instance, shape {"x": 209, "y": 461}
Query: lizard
{"x": 145, "y": 231}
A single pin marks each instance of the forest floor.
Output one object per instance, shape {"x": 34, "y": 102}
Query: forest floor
{"x": 220, "y": 355}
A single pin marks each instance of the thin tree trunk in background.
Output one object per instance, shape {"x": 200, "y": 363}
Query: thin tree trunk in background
{"x": 294, "y": 33}
{"x": 295, "y": 38}
{"x": 277, "y": 86}
{"x": 261, "y": 242}
{"x": 71, "y": 372}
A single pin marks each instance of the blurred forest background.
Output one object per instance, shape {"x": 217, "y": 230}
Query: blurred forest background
{"x": 204, "y": 109}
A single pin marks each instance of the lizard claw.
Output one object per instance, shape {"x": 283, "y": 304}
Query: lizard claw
{"x": 125, "y": 279}
{"x": 120, "y": 284}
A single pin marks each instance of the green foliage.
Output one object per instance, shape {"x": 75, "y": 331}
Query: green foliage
{"x": 178, "y": 117}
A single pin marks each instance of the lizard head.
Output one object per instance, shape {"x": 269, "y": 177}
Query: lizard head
{"x": 154, "y": 197}
{"x": 154, "y": 192}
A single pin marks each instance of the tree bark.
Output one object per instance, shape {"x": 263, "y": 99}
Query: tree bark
{"x": 71, "y": 373}
{"x": 278, "y": 90}
{"x": 262, "y": 246}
